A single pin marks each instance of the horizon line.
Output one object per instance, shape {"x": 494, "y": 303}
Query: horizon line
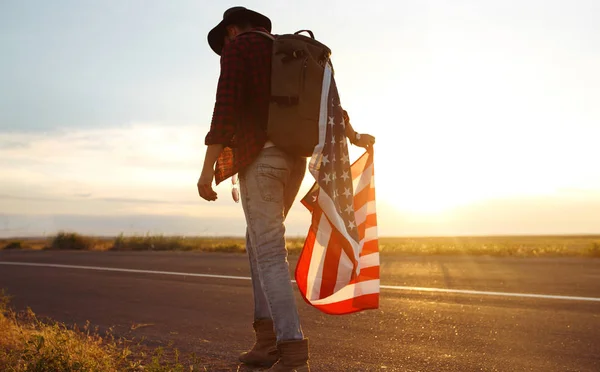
{"x": 444, "y": 236}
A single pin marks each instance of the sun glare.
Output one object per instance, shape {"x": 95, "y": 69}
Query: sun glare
{"x": 425, "y": 201}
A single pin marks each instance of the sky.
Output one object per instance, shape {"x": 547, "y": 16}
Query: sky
{"x": 485, "y": 112}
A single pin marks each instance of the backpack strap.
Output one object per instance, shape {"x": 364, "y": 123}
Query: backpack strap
{"x": 261, "y": 33}
{"x": 309, "y": 32}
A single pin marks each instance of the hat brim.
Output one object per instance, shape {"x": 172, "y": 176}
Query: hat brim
{"x": 216, "y": 36}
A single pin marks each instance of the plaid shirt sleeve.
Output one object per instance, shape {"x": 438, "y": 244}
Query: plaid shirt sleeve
{"x": 229, "y": 95}
{"x": 241, "y": 109}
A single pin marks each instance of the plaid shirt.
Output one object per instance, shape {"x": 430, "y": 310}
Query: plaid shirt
{"x": 241, "y": 109}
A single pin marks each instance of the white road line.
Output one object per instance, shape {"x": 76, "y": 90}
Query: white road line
{"x": 486, "y": 293}
{"x": 123, "y": 270}
{"x": 392, "y": 287}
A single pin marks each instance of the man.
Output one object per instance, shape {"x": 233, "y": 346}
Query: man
{"x": 269, "y": 182}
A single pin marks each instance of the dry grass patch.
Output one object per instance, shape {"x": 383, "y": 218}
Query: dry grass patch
{"x": 183, "y": 243}
{"x": 29, "y": 344}
{"x": 500, "y": 246}
{"x": 497, "y": 246}
{"x": 177, "y": 243}
{"x": 28, "y": 244}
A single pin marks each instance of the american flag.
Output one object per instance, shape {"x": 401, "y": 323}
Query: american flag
{"x": 338, "y": 269}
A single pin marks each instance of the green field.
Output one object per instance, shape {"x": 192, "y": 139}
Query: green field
{"x": 517, "y": 246}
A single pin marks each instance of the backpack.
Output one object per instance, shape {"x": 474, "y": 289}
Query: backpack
{"x": 297, "y": 69}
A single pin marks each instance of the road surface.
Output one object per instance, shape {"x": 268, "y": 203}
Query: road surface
{"x": 157, "y": 296}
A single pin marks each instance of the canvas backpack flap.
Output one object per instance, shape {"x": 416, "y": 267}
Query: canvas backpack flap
{"x": 297, "y": 77}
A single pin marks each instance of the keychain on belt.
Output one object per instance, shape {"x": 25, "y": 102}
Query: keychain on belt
{"x": 235, "y": 192}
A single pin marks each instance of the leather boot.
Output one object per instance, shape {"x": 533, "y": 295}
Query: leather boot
{"x": 264, "y": 352}
{"x": 293, "y": 357}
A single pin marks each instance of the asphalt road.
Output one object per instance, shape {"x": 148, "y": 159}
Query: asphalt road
{"x": 412, "y": 331}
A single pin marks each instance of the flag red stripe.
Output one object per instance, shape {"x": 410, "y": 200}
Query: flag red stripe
{"x": 370, "y": 247}
{"x": 303, "y": 264}
{"x": 368, "y": 273}
{"x": 361, "y": 164}
{"x": 331, "y": 264}
{"x": 370, "y": 301}
{"x": 371, "y": 221}
{"x": 363, "y": 197}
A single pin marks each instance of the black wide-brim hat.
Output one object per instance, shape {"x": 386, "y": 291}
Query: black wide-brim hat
{"x": 233, "y": 15}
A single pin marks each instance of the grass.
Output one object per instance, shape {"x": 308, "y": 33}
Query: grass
{"x": 497, "y": 246}
{"x": 32, "y": 345}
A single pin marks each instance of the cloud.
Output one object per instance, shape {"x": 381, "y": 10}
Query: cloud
{"x": 26, "y": 225}
{"x": 134, "y": 161}
{"x": 138, "y": 169}
{"x": 8, "y": 145}
{"x": 89, "y": 197}
{"x": 135, "y": 145}
{"x": 140, "y": 201}
{"x": 28, "y": 198}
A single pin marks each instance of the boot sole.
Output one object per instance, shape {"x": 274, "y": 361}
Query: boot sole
{"x": 258, "y": 364}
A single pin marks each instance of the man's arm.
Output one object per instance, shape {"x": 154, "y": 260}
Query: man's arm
{"x": 350, "y": 133}
{"x": 366, "y": 140}
{"x": 222, "y": 128}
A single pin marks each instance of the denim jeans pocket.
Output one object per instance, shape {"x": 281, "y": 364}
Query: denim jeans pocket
{"x": 271, "y": 181}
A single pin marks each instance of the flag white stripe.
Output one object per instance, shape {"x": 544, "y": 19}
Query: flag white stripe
{"x": 369, "y": 260}
{"x": 372, "y": 208}
{"x": 370, "y": 234}
{"x": 365, "y": 169}
{"x": 317, "y": 259}
{"x": 363, "y": 180}
{"x": 362, "y": 213}
{"x": 344, "y": 273}
{"x": 328, "y": 207}
{"x": 317, "y": 156}
{"x": 351, "y": 291}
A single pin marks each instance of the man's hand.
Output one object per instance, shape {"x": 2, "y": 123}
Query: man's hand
{"x": 366, "y": 141}
{"x": 208, "y": 173}
{"x": 205, "y": 189}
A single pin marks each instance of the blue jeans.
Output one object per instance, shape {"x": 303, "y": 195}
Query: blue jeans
{"x": 268, "y": 188}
